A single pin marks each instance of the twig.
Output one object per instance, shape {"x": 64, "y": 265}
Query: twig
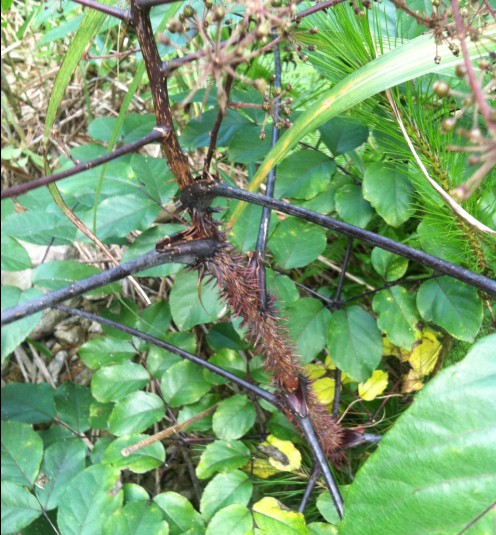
{"x": 166, "y": 433}
{"x": 447, "y": 268}
{"x": 309, "y": 488}
{"x": 320, "y": 6}
{"x": 146, "y": 4}
{"x": 260, "y": 392}
{"x": 121, "y": 14}
{"x": 186, "y": 253}
{"x": 154, "y": 135}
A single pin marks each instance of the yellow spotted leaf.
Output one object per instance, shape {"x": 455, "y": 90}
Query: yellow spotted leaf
{"x": 412, "y": 382}
{"x": 324, "y": 390}
{"x": 282, "y": 454}
{"x": 261, "y": 468}
{"x": 273, "y": 518}
{"x": 374, "y": 386}
{"x": 424, "y": 356}
{"x": 314, "y": 371}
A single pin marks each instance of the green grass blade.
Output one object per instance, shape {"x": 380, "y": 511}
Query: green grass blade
{"x": 406, "y": 62}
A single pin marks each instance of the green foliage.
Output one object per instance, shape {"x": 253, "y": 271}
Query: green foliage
{"x": 64, "y": 448}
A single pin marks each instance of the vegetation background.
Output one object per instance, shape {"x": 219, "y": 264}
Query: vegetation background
{"x": 381, "y": 128}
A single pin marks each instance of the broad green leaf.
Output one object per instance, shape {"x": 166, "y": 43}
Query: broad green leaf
{"x": 27, "y": 402}
{"x": 282, "y": 287}
{"x": 397, "y": 316}
{"x": 273, "y": 518}
{"x": 197, "y": 132}
{"x": 452, "y": 305}
{"x": 234, "y": 417}
{"x": 134, "y": 127}
{"x": 180, "y": 514}
{"x": 390, "y": 192}
{"x": 224, "y": 490}
{"x": 183, "y": 383}
{"x": 343, "y": 134}
{"x": 189, "y": 411}
{"x": 322, "y": 528}
{"x": 22, "y": 452}
{"x": 135, "y": 413}
{"x": 222, "y": 456}
{"x": 308, "y": 322}
{"x": 6, "y": 4}
{"x": 440, "y": 237}
{"x": 303, "y": 175}
{"x": 374, "y": 386}
{"x": 228, "y": 360}
{"x": 224, "y": 336}
{"x": 295, "y": 243}
{"x": 406, "y": 62}
{"x": 155, "y": 319}
{"x": 99, "y": 352}
{"x": 90, "y": 498}
{"x": 191, "y": 303}
{"x": 235, "y": 519}
{"x": 245, "y": 145}
{"x": 439, "y": 453}
{"x": 62, "y": 461}
{"x": 243, "y": 233}
{"x": 354, "y": 342}
{"x": 390, "y": 267}
{"x": 160, "y": 360}
{"x": 136, "y": 518}
{"x": 19, "y": 507}
{"x": 14, "y": 255}
{"x": 72, "y": 402}
{"x": 112, "y": 383}
{"x": 60, "y": 273}
{"x": 134, "y": 493}
{"x": 15, "y": 333}
{"x": 139, "y": 462}
{"x": 352, "y": 207}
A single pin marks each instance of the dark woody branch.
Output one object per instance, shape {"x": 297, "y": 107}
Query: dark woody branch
{"x": 121, "y": 14}
{"x": 185, "y": 253}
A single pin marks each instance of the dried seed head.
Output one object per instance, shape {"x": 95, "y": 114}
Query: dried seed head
{"x": 175, "y": 26}
{"x": 461, "y": 70}
{"x": 442, "y": 89}
{"x": 189, "y": 11}
{"x": 218, "y": 13}
{"x": 208, "y": 3}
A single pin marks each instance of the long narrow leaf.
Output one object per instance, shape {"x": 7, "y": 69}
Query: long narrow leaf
{"x": 406, "y": 62}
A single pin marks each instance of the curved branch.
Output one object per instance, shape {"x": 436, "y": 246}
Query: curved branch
{"x": 185, "y": 253}
{"x": 121, "y": 14}
{"x": 155, "y": 135}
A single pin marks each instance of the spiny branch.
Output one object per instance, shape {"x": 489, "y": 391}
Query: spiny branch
{"x": 121, "y": 14}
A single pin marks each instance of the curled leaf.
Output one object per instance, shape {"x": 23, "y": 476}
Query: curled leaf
{"x": 374, "y": 386}
{"x": 424, "y": 356}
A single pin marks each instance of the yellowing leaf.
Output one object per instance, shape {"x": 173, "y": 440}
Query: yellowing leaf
{"x": 314, "y": 371}
{"x": 424, "y": 356}
{"x": 412, "y": 382}
{"x": 324, "y": 390}
{"x": 282, "y": 454}
{"x": 273, "y": 518}
{"x": 388, "y": 349}
{"x": 261, "y": 468}
{"x": 374, "y": 386}
{"x": 329, "y": 364}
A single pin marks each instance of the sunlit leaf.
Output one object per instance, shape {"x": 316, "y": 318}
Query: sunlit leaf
{"x": 374, "y": 386}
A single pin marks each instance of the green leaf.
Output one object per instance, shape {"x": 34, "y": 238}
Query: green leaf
{"x": 27, "y": 402}
{"x": 295, "y": 243}
{"x": 243, "y": 234}
{"x": 355, "y": 342}
{"x": 352, "y": 207}
{"x": 440, "y": 237}
{"x": 228, "y": 360}
{"x": 308, "y": 322}
{"x": 135, "y": 413}
{"x": 19, "y": 507}
{"x": 106, "y": 351}
{"x": 389, "y": 191}
{"x": 6, "y": 5}
{"x": 343, "y": 134}
{"x": 235, "y": 519}
{"x": 326, "y": 506}
{"x": 187, "y": 308}
{"x": 245, "y": 145}
{"x": 397, "y": 316}
{"x": 15, "y": 333}
{"x": 62, "y": 461}
{"x": 134, "y": 493}
{"x": 180, "y": 514}
{"x": 224, "y": 490}
{"x": 90, "y": 498}
{"x": 14, "y": 255}
{"x": 143, "y": 460}
{"x": 160, "y": 360}
{"x": 183, "y": 383}
{"x": 136, "y": 518}
{"x": 112, "y": 383}
{"x": 452, "y": 305}
{"x": 22, "y": 452}
{"x": 234, "y": 417}
{"x": 303, "y": 175}
{"x": 222, "y": 456}
{"x": 72, "y": 402}
{"x": 273, "y": 518}
{"x": 155, "y": 319}
{"x": 60, "y": 273}
{"x": 188, "y": 411}
{"x": 321, "y": 528}
{"x": 439, "y": 453}
{"x": 390, "y": 267}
